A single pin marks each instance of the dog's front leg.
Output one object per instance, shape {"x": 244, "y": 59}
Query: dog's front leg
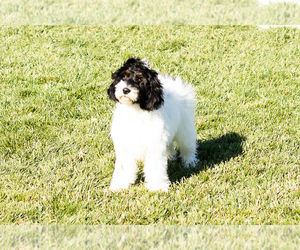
{"x": 155, "y": 169}
{"x": 124, "y": 173}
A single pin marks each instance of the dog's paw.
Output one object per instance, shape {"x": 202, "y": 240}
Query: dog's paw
{"x": 158, "y": 186}
{"x": 115, "y": 187}
{"x": 191, "y": 162}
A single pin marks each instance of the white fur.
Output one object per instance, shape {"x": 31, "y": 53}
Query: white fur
{"x": 149, "y": 136}
{"x": 126, "y": 98}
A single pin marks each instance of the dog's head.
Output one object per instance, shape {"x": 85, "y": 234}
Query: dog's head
{"x": 134, "y": 83}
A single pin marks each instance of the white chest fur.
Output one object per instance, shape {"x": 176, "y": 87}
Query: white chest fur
{"x": 133, "y": 129}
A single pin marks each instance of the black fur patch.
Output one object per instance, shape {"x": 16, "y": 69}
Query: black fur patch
{"x": 142, "y": 78}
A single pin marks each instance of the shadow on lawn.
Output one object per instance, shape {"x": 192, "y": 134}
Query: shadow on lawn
{"x": 210, "y": 153}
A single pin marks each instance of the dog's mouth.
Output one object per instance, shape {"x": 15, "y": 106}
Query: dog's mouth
{"x": 125, "y": 99}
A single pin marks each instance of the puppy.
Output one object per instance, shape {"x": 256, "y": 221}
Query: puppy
{"x": 152, "y": 112}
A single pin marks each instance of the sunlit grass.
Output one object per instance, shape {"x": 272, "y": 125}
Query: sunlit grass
{"x": 56, "y": 157}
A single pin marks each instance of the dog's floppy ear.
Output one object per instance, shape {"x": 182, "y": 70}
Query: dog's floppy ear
{"x": 111, "y": 92}
{"x": 151, "y": 96}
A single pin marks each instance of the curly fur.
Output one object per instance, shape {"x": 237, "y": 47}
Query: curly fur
{"x": 152, "y": 112}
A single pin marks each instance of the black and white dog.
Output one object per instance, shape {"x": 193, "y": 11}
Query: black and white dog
{"x": 152, "y": 112}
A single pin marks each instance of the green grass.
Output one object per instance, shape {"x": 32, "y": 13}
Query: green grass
{"x": 56, "y": 157}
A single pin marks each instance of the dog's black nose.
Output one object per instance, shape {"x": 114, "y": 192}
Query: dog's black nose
{"x": 126, "y": 91}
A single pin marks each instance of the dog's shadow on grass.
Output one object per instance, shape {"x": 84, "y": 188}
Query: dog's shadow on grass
{"x": 210, "y": 153}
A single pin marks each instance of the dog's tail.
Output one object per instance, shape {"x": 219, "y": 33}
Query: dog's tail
{"x": 187, "y": 92}
{"x": 184, "y": 91}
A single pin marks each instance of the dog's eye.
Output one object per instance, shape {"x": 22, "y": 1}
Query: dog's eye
{"x": 126, "y": 73}
{"x": 139, "y": 76}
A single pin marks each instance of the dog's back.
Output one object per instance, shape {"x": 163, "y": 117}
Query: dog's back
{"x": 183, "y": 92}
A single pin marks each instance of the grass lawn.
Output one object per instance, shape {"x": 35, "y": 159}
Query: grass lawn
{"x": 56, "y": 157}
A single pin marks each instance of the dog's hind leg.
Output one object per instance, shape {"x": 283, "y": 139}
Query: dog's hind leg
{"x": 171, "y": 153}
{"x": 186, "y": 141}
